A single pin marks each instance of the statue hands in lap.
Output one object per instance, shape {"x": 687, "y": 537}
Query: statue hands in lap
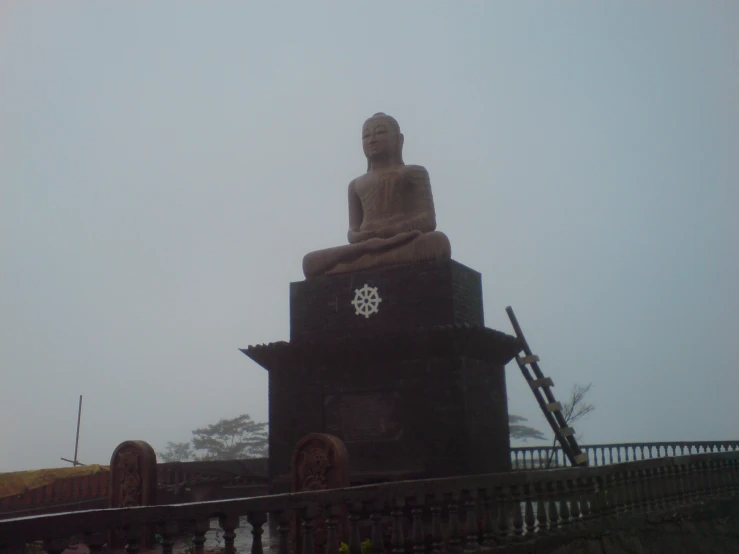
{"x": 391, "y": 210}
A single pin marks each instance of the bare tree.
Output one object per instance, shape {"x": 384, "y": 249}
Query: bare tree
{"x": 575, "y": 409}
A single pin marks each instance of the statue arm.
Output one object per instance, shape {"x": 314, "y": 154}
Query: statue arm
{"x": 356, "y": 215}
{"x": 420, "y": 204}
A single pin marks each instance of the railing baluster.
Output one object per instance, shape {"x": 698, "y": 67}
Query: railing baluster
{"x": 437, "y": 534}
{"x": 687, "y": 483}
{"x": 637, "y": 496}
{"x": 703, "y": 479}
{"x": 307, "y": 537}
{"x": 652, "y": 489}
{"x": 200, "y": 527}
{"x": 641, "y": 493}
{"x": 697, "y": 485}
{"x": 95, "y": 542}
{"x": 717, "y": 477}
{"x": 657, "y": 488}
{"x": 582, "y": 485}
{"x": 625, "y": 492}
{"x": 618, "y": 494}
{"x": 564, "y": 505}
{"x": 710, "y": 473}
{"x": 283, "y": 534}
{"x": 679, "y": 489}
{"x": 609, "y": 500}
{"x": 502, "y": 514}
{"x": 256, "y": 520}
{"x": 634, "y": 498}
{"x": 517, "y": 518}
{"x": 732, "y": 476}
{"x": 489, "y": 541}
{"x": 541, "y": 509}
{"x": 378, "y": 540}
{"x": 228, "y": 524}
{"x": 706, "y": 470}
{"x": 471, "y": 530}
{"x": 354, "y": 539}
{"x": 168, "y": 530}
{"x": 397, "y": 539}
{"x": 574, "y": 494}
{"x": 664, "y": 487}
{"x": 417, "y": 533}
{"x": 332, "y": 539}
{"x": 133, "y": 539}
{"x": 721, "y": 478}
{"x": 56, "y": 546}
{"x": 689, "y": 479}
{"x": 598, "y": 501}
{"x": 455, "y": 533}
{"x": 674, "y": 486}
{"x": 529, "y": 518}
{"x": 553, "y": 515}
{"x": 729, "y": 477}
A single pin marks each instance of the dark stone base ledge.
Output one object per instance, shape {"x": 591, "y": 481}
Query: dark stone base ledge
{"x": 469, "y": 341}
{"x": 390, "y": 299}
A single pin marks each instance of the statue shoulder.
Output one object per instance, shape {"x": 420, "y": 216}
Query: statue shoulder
{"x": 417, "y": 173}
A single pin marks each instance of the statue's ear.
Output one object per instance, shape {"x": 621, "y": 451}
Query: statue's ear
{"x": 401, "y": 138}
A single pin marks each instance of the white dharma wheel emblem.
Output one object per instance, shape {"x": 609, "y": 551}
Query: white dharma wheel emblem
{"x": 366, "y": 301}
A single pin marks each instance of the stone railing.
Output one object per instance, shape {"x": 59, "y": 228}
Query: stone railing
{"x": 483, "y": 512}
{"x": 542, "y": 457}
{"x": 62, "y": 495}
{"x": 177, "y": 482}
{"x": 248, "y": 470}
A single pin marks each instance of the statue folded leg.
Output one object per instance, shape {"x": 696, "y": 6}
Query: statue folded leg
{"x": 321, "y": 262}
{"x": 401, "y": 249}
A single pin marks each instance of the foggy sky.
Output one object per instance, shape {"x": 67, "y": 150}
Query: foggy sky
{"x": 164, "y": 167}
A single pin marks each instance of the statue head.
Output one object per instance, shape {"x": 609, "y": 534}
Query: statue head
{"x": 382, "y": 140}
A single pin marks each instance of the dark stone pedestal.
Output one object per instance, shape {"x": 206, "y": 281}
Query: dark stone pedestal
{"x": 412, "y": 296}
{"x": 415, "y": 388}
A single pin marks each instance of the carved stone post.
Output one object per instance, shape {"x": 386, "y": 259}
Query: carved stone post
{"x": 133, "y": 469}
{"x": 319, "y": 462}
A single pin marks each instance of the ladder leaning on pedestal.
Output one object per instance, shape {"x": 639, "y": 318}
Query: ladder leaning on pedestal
{"x": 549, "y": 405}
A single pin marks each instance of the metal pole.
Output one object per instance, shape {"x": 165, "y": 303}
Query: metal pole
{"x": 71, "y": 462}
{"x": 77, "y": 439}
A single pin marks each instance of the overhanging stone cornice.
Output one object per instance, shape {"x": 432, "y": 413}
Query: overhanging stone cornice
{"x": 469, "y": 341}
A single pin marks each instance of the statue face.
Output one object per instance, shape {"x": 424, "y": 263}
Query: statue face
{"x": 379, "y": 139}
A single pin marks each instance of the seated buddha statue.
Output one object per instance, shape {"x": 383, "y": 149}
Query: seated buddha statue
{"x": 391, "y": 211}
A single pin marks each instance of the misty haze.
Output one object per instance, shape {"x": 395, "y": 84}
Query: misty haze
{"x": 165, "y": 167}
